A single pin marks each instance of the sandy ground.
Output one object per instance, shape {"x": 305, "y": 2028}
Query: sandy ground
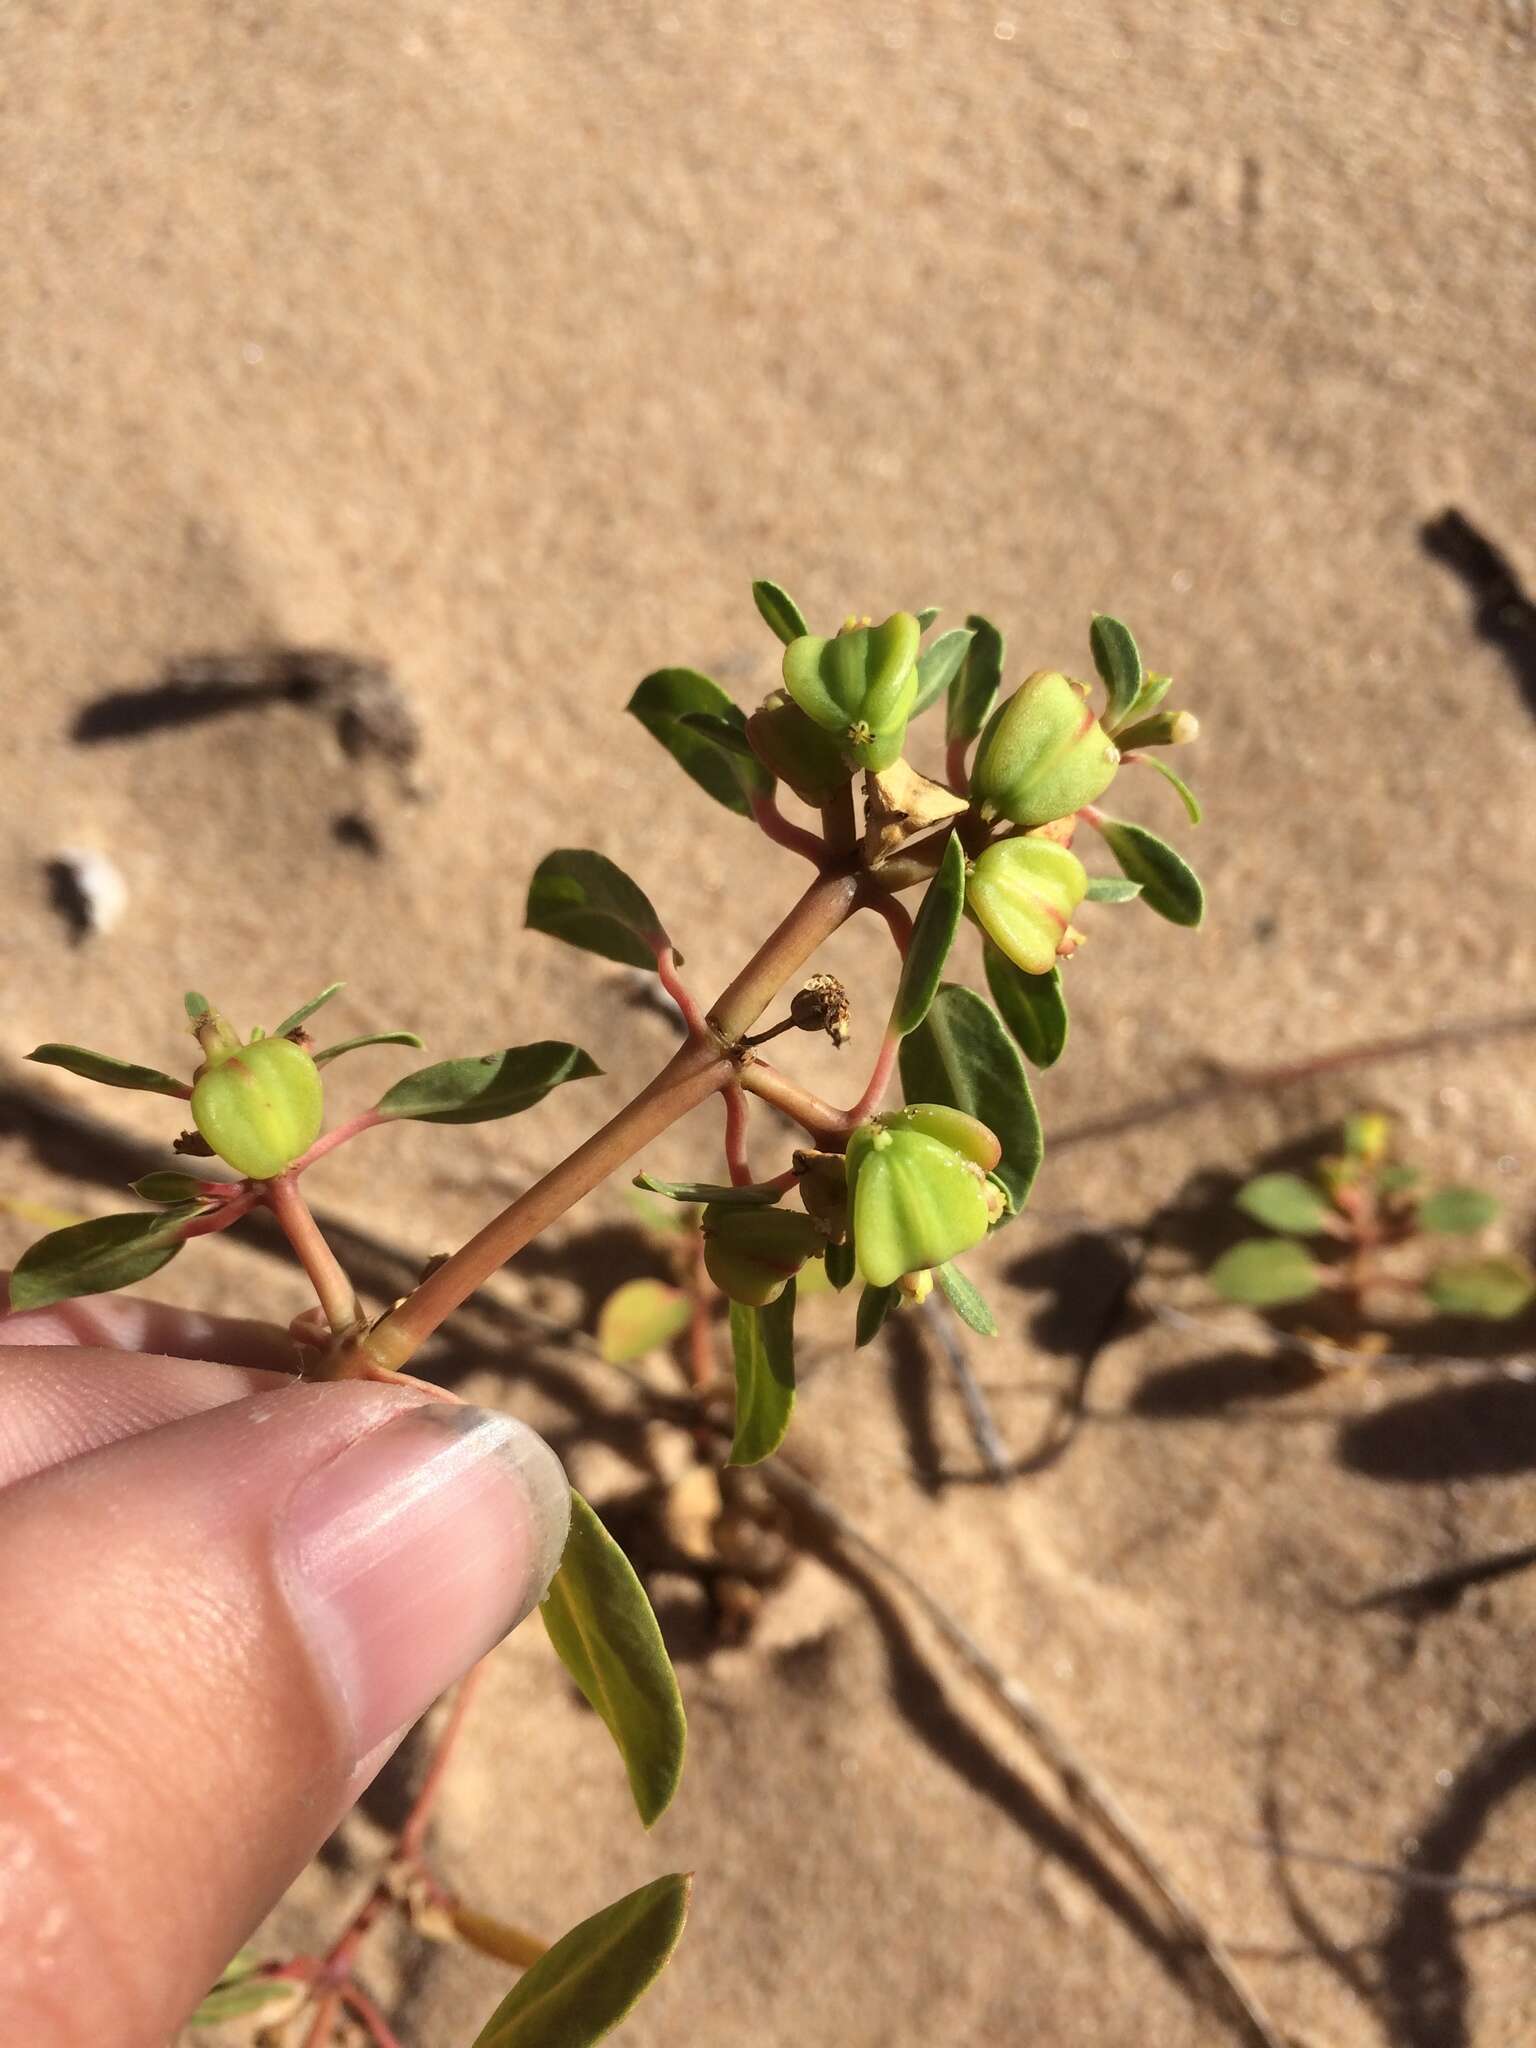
{"x": 504, "y": 346}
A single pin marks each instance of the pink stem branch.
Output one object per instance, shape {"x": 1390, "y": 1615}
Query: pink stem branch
{"x": 896, "y": 915}
{"x": 879, "y": 1081}
{"x": 342, "y": 1135}
{"x": 413, "y": 1833}
{"x": 332, "y": 1288}
{"x": 378, "y": 2028}
{"x": 736, "y": 1116}
{"x": 671, "y": 981}
{"x": 956, "y": 774}
{"x": 773, "y": 822}
{"x": 229, "y": 1211}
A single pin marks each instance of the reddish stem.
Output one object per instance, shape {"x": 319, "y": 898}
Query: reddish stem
{"x": 342, "y": 1135}
{"x": 326, "y": 2014}
{"x": 956, "y": 774}
{"x": 332, "y": 1288}
{"x": 671, "y": 981}
{"x": 879, "y": 1080}
{"x": 896, "y": 916}
{"x": 772, "y": 821}
{"x": 415, "y": 1828}
{"x": 736, "y": 1113}
{"x": 221, "y": 1218}
{"x": 379, "y": 2030}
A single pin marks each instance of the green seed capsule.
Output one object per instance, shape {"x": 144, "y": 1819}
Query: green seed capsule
{"x": 796, "y": 749}
{"x": 1043, "y": 754}
{"x": 964, "y": 1134}
{"x": 753, "y": 1254}
{"x": 859, "y": 685}
{"x": 916, "y": 1201}
{"x": 1022, "y": 892}
{"x": 260, "y": 1106}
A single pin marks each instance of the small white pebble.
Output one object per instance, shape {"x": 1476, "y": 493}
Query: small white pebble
{"x": 90, "y": 890}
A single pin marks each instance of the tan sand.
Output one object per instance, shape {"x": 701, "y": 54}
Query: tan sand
{"x": 505, "y": 345}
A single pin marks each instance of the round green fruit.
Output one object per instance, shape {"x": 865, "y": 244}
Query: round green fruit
{"x": 1043, "y": 754}
{"x": 260, "y": 1106}
{"x": 796, "y": 749}
{"x": 753, "y": 1254}
{"x": 859, "y": 685}
{"x": 916, "y": 1200}
{"x": 1022, "y": 892}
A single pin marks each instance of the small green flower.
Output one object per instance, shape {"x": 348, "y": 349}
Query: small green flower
{"x": 859, "y": 685}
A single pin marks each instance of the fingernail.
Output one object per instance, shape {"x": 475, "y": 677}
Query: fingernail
{"x": 416, "y": 1550}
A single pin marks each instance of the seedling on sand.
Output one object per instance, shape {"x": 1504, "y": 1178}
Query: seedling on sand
{"x": 878, "y": 1197}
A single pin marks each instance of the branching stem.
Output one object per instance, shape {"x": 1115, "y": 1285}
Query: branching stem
{"x": 332, "y": 1288}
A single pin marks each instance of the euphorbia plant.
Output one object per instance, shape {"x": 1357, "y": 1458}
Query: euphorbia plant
{"x": 886, "y": 1194}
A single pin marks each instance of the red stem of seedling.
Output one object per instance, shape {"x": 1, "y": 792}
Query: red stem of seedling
{"x": 380, "y": 2032}
{"x": 771, "y": 820}
{"x": 332, "y": 1288}
{"x": 736, "y": 1114}
{"x": 956, "y": 774}
{"x": 414, "y": 1831}
{"x": 342, "y": 1135}
{"x": 666, "y": 969}
{"x": 230, "y": 1210}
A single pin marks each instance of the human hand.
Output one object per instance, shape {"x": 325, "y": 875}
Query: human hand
{"x": 226, "y": 1595}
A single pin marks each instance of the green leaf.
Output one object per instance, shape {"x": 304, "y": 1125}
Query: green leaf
{"x": 475, "y": 1091}
{"x": 962, "y": 1056}
{"x": 720, "y": 732}
{"x": 1286, "y": 1202}
{"x": 641, "y": 1316}
{"x": 196, "y": 1006}
{"x": 938, "y": 665}
{"x": 1118, "y": 661}
{"x": 167, "y": 1187}
{"x": 582, "y": 1987}
{"x": 875, "y": 1304}
{"x": 1169, "y": 885}
{"x": 97, "y": 1257}
{"x": 334, "y": 1052}
{"x": 233, "y": 2001}
{"x": 1154, "y": 689}
{"x": 1263, "y": 1272}
{"x": 1110, "y": 889}
{"x": 292, "y": 1023}
{"x": 100, "y": 1066}
{"x": 933, "y": 933}
{"x": 584, "y": 899}
{"x": 665, "y": 703}
{"x": 779, "y": 609}
{"x": 1033, "y": 1006}
{"x": 1187, "y": 796}
{"x": 1494, "y": 1288}
{"x": 840, "y": 1263}
{"x": 927, "y": 615}
{"x": 752, "y": 1196}
{"x": 1458, "y": 1212}
{"x": 1367, "y": 1135}
{"x": 966, "y": 1299}
{"x": 974, "y": 689}
{"x": 606, "y": 1636}
{"x": 763, "y": 1344}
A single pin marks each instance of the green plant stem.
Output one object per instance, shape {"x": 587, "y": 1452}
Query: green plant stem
{"x": 332, "y": 1288}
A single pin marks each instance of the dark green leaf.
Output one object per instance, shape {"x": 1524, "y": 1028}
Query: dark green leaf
{"x": 1263, "y": 1272}
{"x": 977, "y": 682}
{"x": 334, "y": 1052}
{"x": 641, "y": 1316}
{"x": 97, "y": 1257}
{"x": 249, "y": 1994}
{"x": 753, "y": 1196}
{"x": 927, "y": 615}
{"x": 476, "y": 1091}
{"x": 292, "y": 1023}
{"x": 779, "y": 609}
{"x": 1493, "y": 1288}
{"x": 1033, "y": 1006}
{"x": 763, "y": 1344}
{"x": 961, "y": 1055}
{"x": 933, "y": 933}
{"x": 875, "y": 1304}
{"x": 966, "y": 1300}
{"x": 581, "y": 1988}
{"x": 662, "y": 704}
{"x": 1118, "y": 661}
{"x": 584, "y": 899}
{"x": 1458, "y": 1212}
{"x": 100, "y": 1066}
{"x": 1110, "y": 889}
{"x": 605, "y": 1634}
{"x": 1169, "y": 885}
{"x": 720, "y": 732}
{"x": 840, "y": 1263}
{"x": 938, "y": 665}
{"x": 1286, "y": 1202}
{"x": 196, "y": 1006}
{"x": 1187, "y": 796}
{"x": 167, "y": 1187}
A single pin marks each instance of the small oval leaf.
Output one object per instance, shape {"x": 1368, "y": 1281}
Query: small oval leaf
{"x": 667, "y": 701}
{"x": 967, "y": 1300}
{"x": 582, "y": 1987}
{"x": 840, "y": 1264}
{"x": 1111, "y": 889}
{"x": 780, "y": 612}
{"x": 97, "y": 1257}
{"x": 1286, "y": 1202}
{"x": 606, "y": 1636}
{"x": 475, "y": 1091}
{"x": 973, "y": 692}
{"x": 334, "y": 1052}
{"x": 1493, "y": 1289}
{"x": 938, "y": 665}
{"x": 1118, "y": 661}
{"x": 1187, "y": 796}
{"x": 1169, "y": 885}
{"x": 962, "y": 1056}
{"x": 1458, "y": 1212}
{"x": 1264, "y": 1272}
{"x": 933, "y": 933}
{"x": 167, "y": 1187}
{"x": 763, "y": 1346}
{"x": 641, "y": 1316}
{"x": 752, "y": 1196}
{"x": 1033, "y": 1006}
{"x": 875, "y": 1304}
{"x": 293, "y": 1021}
{"x": 100, "y": 1066}
{"x": 583, "y": 898}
